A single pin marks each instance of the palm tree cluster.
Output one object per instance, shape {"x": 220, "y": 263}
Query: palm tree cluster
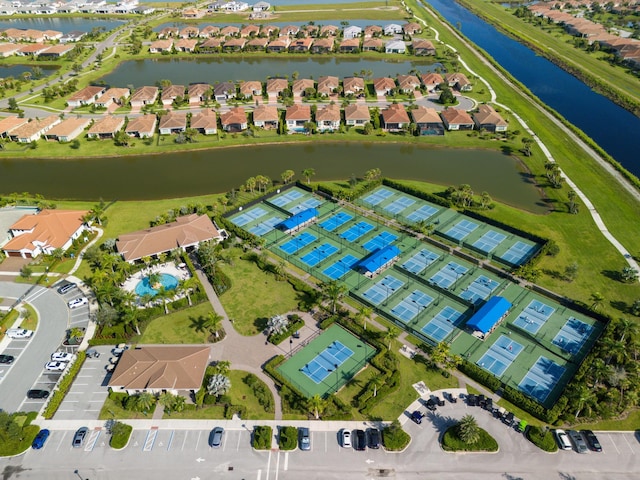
{"x": 462, "y": 196}
{"x": 468, "y": 430}
{"x": 181, "y": 211}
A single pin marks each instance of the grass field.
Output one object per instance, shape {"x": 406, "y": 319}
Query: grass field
{"x": 179, "y": 327}
{"x": 242, "y": 394}
{"x": 112, "y": 410}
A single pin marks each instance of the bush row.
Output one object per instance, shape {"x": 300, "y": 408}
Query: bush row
{"x": 541, "y": 438}
{"x": 429, "y": 197}
{"x": 287, "y": 438}
{"x": 260, "y": 391}
{"x": 63, "y": 386}
{"x": 261, "y": 439}
{"x": 277, "y": 338}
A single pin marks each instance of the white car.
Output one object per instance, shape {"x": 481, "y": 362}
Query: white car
{"x": 55, "y": 366}
{"x": 346, "y": 438}
{"x": 78, "y": 302}
{"x": 62, "y": 357}
{"x": 19, "y": 333}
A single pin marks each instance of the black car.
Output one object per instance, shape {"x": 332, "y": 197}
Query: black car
{"x": 417, "y": 416}
{"x": 6, "y": 359}
{"x": 38, "y": 394}
{"x": 431, "y": 405}
{"x": 471, "y": 400}
{"x": 360, "y": 442}
{"x": 592, "y": 440}
{"x": 373, "y": 435}
{"x": 509, "y": 419}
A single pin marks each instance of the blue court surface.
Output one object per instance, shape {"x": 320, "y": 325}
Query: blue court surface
{"x": 337, "y": 220}
{"x": 480, "y": 289}
{"x": 382, "y": 290}
{"x": 541, "y": 379}
{"x": 378, "y": 196}
{"x": 518, "y": 252}
{"x": 249, "y": 216}
{"x": 326, "y": 361}
{"x": 266, "y": 226}
{"x": 297, "y": 243}
{"x": 500, "y": 355}
{"x": 572, "y": 335}
{"x": 340, "y": 268}
{"x": 448, "y": 275}
{"x": 318, "y": 254}
{"x": 354, "y": 232}
{"x": 380, "y": 241}
{"x": 420, "y": 261}
{"x": 399, "y": 205}
{"x": 306, "y": 205}
{"x": 534, "y": 316}
{"x": 442, "y": 323}
{"x": 461, "y": 230}
{"x": 411, "y": 305}
{"x": 424, "y": 212}
{"x": 489, "y": 241}
{"x": 285, "y": 198}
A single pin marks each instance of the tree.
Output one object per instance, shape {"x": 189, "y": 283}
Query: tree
{"x": 571, "y": 272}
{"x": 447, "y": 97}
{"x": 364, "y": 314}
{"x": 373, "y": 174}
{"x": 468, "y": 430}
{"x": 583, "y": 397}
{"x": 222, "y": 367}
{"x": 287, "y": 176}
{"x": 596, "y": 298}
{"x": 629, "y": 275}
{"x": 572, "y": 205}
{"x": 526, "y": 144}
{"x": 333, "y": 291}
{"x": 277, "y": 324}
{"x": 145, "y": 401}
{"x": 635, "y": 307}
{"x": 218, "y": 385}
{"x": 316, "y": 405}
{"x": 308, "y": 173}
{"x": 26, "y": 271}
{"x": 389, "y": 335}
{"x": 13, "y": 104}
{"x": 368, "y": 128}
{"x": 626, "y": 328}
{"x": 168, "y": 400}
{"x": 121, "y": 139}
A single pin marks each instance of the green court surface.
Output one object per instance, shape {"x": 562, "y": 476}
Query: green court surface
{"x": 327, "y": 362}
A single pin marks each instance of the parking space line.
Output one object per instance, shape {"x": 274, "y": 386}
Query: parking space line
{"x": 95, "y": 434}
{"x": 259, "y": 474}
{"x": 61, "y": 440}
{"x": 630, "y": 447}
{"x": 170, "y": 440}
{"x": 198, "y": 441}
{"x": 614, "y": 444}
{"x": 277, "y": 465}
{"x": 268, "y": 464}
{"x": 185, "y": 439}
{"x": 286, "y": 461}
{"x": 238, "y": 445}
{"x": 150, "y": 440}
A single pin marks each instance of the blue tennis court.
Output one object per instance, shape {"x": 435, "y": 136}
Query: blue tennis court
{"x": 517, "y": 253}
{"x": 424, "y": 212}
{"x": 306, "y": 205}
{"x": 354, "y": 232}
{"x": 411, "y": 305}
{"x": 337, "y": 220}
{"x": 285, "y": 198}
{"x": 500, "y": 355}
{"x": 326, "y": 361}
{"x": 341, "y": 267}
{"x": 489, "y": 241}
{"x": 378, "y": 196}
{"x": 382, "y": 290}
{"x": 420, "y": 261}
{"x": 541, "y": 379}
{"x": 266, "y": 226}
{"x": 297, "y": 243}
{"x": 399, "y": 205}
{"x": 534, "y": 316}
{"x": 442, "y": 323}
{"x": 249, "y": 216}
{"x": 572, "y": 335}
{"x": 448, "y": 275}
{"x": 479, "y": 289}
{"x": 318, "y": 254}
{"x": 461, "y": 230}
{"x": 380, "y": 241}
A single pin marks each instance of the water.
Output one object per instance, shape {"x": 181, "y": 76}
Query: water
{"x": 16, "y": 70}
{"x": 182, "y": 71}
{"x": 357, "y": 22}
{"x": 612, "y": 127}
{"x": 61, "y": 24}
{"x": 198, "y": 173}
{"x": 169, "y": 282}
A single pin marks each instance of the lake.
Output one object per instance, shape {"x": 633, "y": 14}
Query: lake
{"x": 16, "y": 70}
{"x": 61, "y": 24}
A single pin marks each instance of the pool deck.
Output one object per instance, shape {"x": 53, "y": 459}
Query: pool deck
{"x": 169, "y": 268}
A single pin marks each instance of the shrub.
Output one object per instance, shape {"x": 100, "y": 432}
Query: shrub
{"x": 231, "y": 410}
{"x": 120, "y": 433}
{"x": 288, "y": 438}
{"x": 541, "y": 438}
{"x": 261, "y": 439}
{"x": 277, "y": 338}
{"x": 394, "y": 438}
{"x": 451, "y": 442}
{"x": 63, "y": 386}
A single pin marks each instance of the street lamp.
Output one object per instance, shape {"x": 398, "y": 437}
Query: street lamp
{"x": 424, "y": 270}
{"x": 387, "y": 297}
{"x": 457, "y": 277}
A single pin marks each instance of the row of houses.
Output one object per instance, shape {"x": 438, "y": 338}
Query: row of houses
{"x": 47, "y": 7}
{"x": 41, "y": 50}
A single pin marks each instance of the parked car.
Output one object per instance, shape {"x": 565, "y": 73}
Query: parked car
{"x": 305, "y": 438}
{"x": 6, "y": 359}
{"x": 471, "y": 400}
{"x": 563, "y": 439}
{"x": 215, "y": 437}
{"x": 79, "y": 437}
{"x": 78, "y": 302}
{"x": 40, "y": 439}
{"x": 360, "y": 440}
{"x": 373, "y": 436}
{"x": 19, "y": 333}
{"x": 92, "y": 353}
{"x": 592, "y": 440}
{"x": 55, "y": 366}
{"x": 62, "y": 357}
{"x": 38, "y": 394}
{"x": 578, "y": 441}
{"x": 345, "y": 438}
{"x": 431, "y": 405}
{"x": 417, "y": 416}
{"x": 66, "y": 288}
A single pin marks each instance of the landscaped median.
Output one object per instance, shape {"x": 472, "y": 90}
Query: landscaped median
{"x": 467, "y": 436}
{"x": 120, "y": 435}
{"x": 261, "y": 437}
{"x": 287, "y": 438}
{"x": 63, "y": 386}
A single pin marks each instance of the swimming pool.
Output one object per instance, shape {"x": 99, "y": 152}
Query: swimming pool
{"x": 169, "y": 282}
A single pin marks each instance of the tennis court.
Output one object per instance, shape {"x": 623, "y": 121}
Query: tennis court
{"x": 534, "y": 316}
{"x": 356, "y": 231}
{"x": 422, "y": 213}
{"x": 305, "y": 205}
{"x": 336, "y": 221}
{"x": 461, "y": 230}
{"x": 448, "y": 275}
{"x": 399, "y": 205}
{"x": 378, "y": 196}
{"x": 265, "y": 227}
{"x": 500, "y": 355}
{"x": 411, "y": 305}
{"x": 479, "y": 289}
{"x": 325, "y": 362}
{"x": 297, "y": 243}
{"x": 341, "y": 267}
{"x": 381, "y": 291}
{"x": 572, "y": 335}
{"x": 286, "y": 198}
{"x": 489, "y": 241}
{"x": 541, "y": 379}
{"x": 420, "y": 261}
{"x": 315, "y": 256}
{"x": 380, "y": 241}
{"x": 249, "y": 216}
{"x": 442, "y": 323}
{"x": 518, "y": 252}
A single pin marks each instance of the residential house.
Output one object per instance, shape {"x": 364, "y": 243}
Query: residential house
{"x": 45, "y": 232}
{"x": 392, "y": 29}
{"x": 160, "y": 368}
{"x": 86, "y": 96}
{"x": 328, "y": 118}
{"x": 172, "y": 122}
{"x": 300, "y": 45}
{"x": 486, "y": 118}
{"x": 329, "y": 31}
{"x": 229, "y": 31}
{"x": 297, "y": 116}
{"x": 373, "y": 45}
{"x": 234, "y": 120}
{"x": 224, "y": 91}
{"x": 427, "y": 121}
{"x": 251, "y": 88}
{"x": 67, "y": 130}
{"x": 142, "y": 127}
{"x": 111, "y": 96}
{"x": 275, "y": 86}
{"x": 198, "y": 93}
{"x": 408, "y": 83}
{"x": 170, "y": 93}
{"x": 250, "y": 30}
{"x": 205, "y": 122}
{"x": 160, "y": 46}
{"x": 106, "y": 127}
{"x": 209, "y": 31}
{"x": 190, "y": 31}
{"x": 327, "y": 85}
{"x": 289, "y": 31}
{"x": 395, "y": 46}
{"x": 411, "y": 28}
{"x": 261, "y": 6}
{"x": 8, "y": 49}
{"x": 279, "y": 45}
{"x": 234, "y": 45}
{"x": 210, "y": 45}
{"x": 266, "y": 116}
{"x": 8, "y": 124}
{"x": 422, "y": 47}
{"x": 192, "y": 13}
{"x": 458, "y": 81}
{"x": 72, "y": 37}
{"x": 356, "y": 115}
{"x": 310, "y": 30}
{"x": 371, "y": 31}
{"x": 33, "y": 130}
{"x": 169, "y": 32}
{"x": 52, "y": 35}
{"x": 322, "y": 45}
{"x": 186, "y": 45}
{"x": 455, "y": 119}
{"x": 352, "y": 31}
{"x": 431, "y": 81}
{"x": 350, "y": 45}
{"x": 56, "y": 51}
{"x": 32, "y": 50}
{"x": 302, "y": 85}
{"x": 228, "y": 6}
{"x": 268, "y": 30}
{"x": 352, "y": 85}
{"x": 384, "y": 86}
{"x": 395, "y": 118}
{"x": 144, "y": 96}
{"x": 258, "y": 43}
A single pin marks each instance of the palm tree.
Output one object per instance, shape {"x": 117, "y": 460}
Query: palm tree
{"x": 179, "y": 403}
{"x": 223, "y": 367}
{"x": 212, "y": 323}
{"x": 584, "y": 398}
{"x": 145, "y": 401}
{"x": 573, "y": 206}
{"x": 333, "y": 291}
{"x": 629, "y": 274}
{"x": 164, "y": 295}
{"x": 364, "y": 314}
{"x": 389, "y": 335}
{"x": 597, "y": 298}
{"x": 440, "y": 353}
{"x": 218, "y": 385}
{"x": 251, "y": 184}
{"x": 600, "y": 370}
{"x": 287, "y": 176}
{"x": 627, "y": 328}
{"x": 187, "y": 286}
{"x": 308, "y": 173}
{"x": 316, "y": 405}
{"x": 468, "y": 430}
{"x": 168, "y": 400}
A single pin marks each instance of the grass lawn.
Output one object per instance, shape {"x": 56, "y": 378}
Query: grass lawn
{"x": 242, "y": 394}
{"x": 190, "y": 412}
{"x": 354, "y": 387}
{"x": 112, "y": 410}
{"x": 630, "y": 423}
{"x": 30, "y": 322}
{"x": 178, "y": 327}
{"x": 452, "y": 443}
{"x": 255, "y": 296}
{"x": 8, "y": 319}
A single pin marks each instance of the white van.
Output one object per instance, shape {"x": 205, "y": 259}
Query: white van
{"x": 563, "y": 439}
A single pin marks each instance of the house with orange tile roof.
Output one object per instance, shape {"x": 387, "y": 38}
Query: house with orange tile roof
{"x": 87, "y": 96}
{"x": 250, "y": 88}
{"x": 278, "y": 45}
{"x": 327, "y": 85}
{"x": 300, "y": 45}
{"x": 8, "y": 124}
{"x": 371, "y": 31}
{"x": 105, "y": 127}
{"x": 68, "y": 129}
{"x": 373, "y": 45}
{"x": 211, "y": 45}
{"x": 266, "y": 116}
{"x": 146, "y": 95}
{"x": 209, "y": 31}
{"x": 33, "y": 50}
{"x": 170, "y": 93}
{"x": 289, "y": 30}
{"x": 45, "y": 232}
{"x": 296, "y": 117}
{"x": 142, "y": 127}
{"x": 160, "y": 46}
{"x": 350, "y": 45}
{"x": 411, "y": 28}
{"x": 395, "y": 118}
{"x": 56, "y": 51}
{"x": 301, "y": 85}
{"x": 323, "y": 45}
{"x": 356, "y": 115}
{"x": 199, "y": 92}
{"x": 329, "y": 30}
{"x": 427, "y": 121}
{"x": 172, "y": 122}
{"x": 189, "y": 31}
{"x": 205, "y": 122}
{"x": 431, "y": 81}
{"x": 384, "y": 85}
{"x": 234, "y": 44}
{"x": 234, "y": 120}
{"x": 268, "y": 30}
{"x": 186, "y": 45}
{"x": 258, "y": 43}
{"x": 34, "y": 129}
{"x": 250, "y": 30}
{"x": 352, "y": 85}
{"x": 455, "y": 119}
{"x": 458, "y": 80}
{"x": 113, "y": 95}
{"x": 230, "y": 31}
{"x": 421, "y": 47}
{"x": 275, "y": 86}
{"x": 486, "y": 118}
{"x": 408, "y": 83}
{"x": 168, "y": 32}
{"x": 8, "y": 49}
{"x": 328, "y": 118}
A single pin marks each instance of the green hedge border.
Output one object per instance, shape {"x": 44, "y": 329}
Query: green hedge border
{"x": 63, "y": 387}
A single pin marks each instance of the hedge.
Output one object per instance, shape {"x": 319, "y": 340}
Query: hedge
{"x": 288, "y": 438}
{"x": 394, "y": 438}
{"x": 429, "y": 197}
{"x": 231, "y": 410}
{"x": 277, "y": 338}
{"x": 260, "y": 391}
{"x": 451, "y": 442}
{"x": 261, "y": 438}
{"x": 63, "y": 386}
{"x": 541, "y": 438}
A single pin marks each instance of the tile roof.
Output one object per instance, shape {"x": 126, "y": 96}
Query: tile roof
{"x": 454, "y": 116}
{"x": 87, "y": 93}
{"x": 145, "y": 123}
{"x": 352, "y": 84}
{"x": 172, "y": 91}
{"x": 357, "y": 111}
{"x": 29, "y": 129}
{"x": 265, "y": 113}
{"x": 68, "y": 126}
{"x": 486, "y": 115}
{"x": 205, "y": 119}
{"x": 173, "y": 120}
{"x": 431, "y": 79}
{"x": 395, "y": 113}
{"x": 236, "y": 115}
{"x": 329, "y": 113}
{"x": 109, "y": 124}
{"x": 276, "y": 85}
{"x": 198, "y": 89}
{"x": 383, "y": 83}
{"x": 145, "y": 94}
{"x": 302, "y": 84}
{"x": 298, "y": 112}
{"x": 9, "y": 123}
{"x": 53, "y": 228}
{"x": 250, "y": 86}
{"x": 425, "y": 115}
